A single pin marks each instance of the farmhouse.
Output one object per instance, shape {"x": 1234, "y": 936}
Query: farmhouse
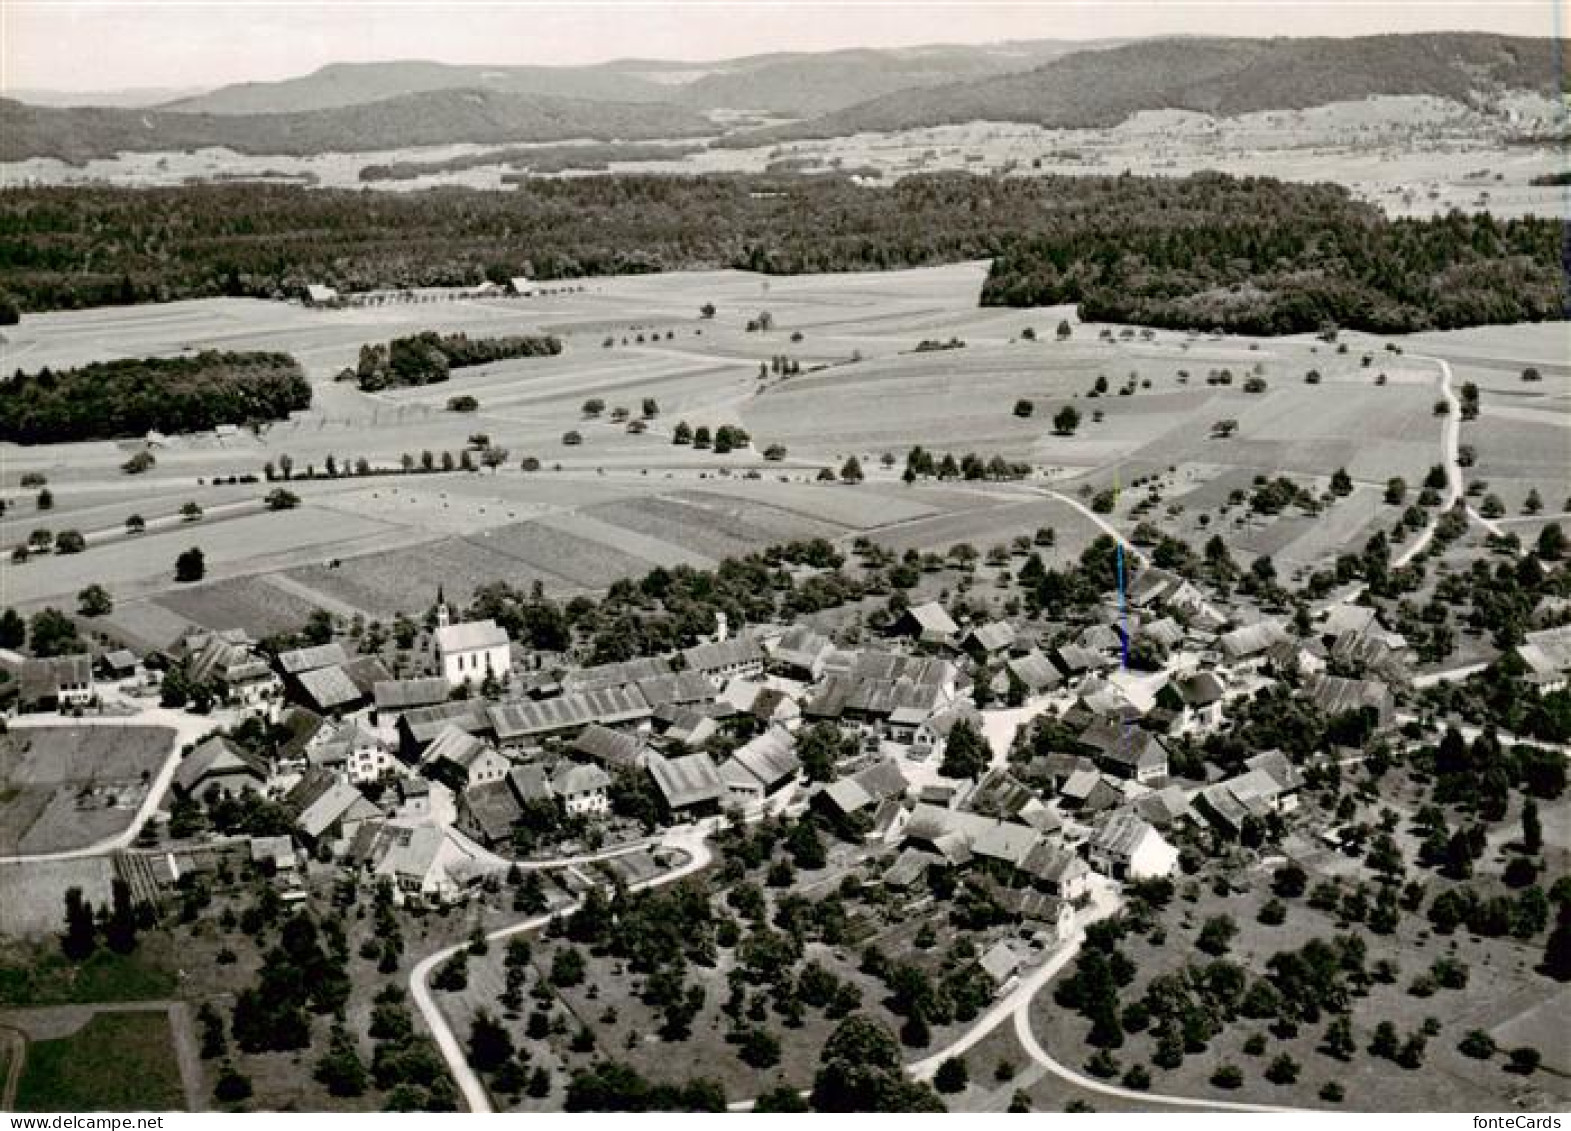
{"x": 582, "y": 789}
{"x": 619, "y": 674}
{"x": 218, "y": 766}
{"x": 1127, "y": 848}
{"x": 328, "y": 810}
{"x": 118, "y": 664}
{"x": 683, "y": 688}
{"x": 1336, "y": 695}
{"x": 863, "y": 791}
{"x": 317, "y": 294}
{"x": 986, "y": 641}
{"x": 1034, "y": 672}
{"x": 488, "y": 812}
{"x": 1270, "y": 785}
{"x": 419, "y": 727}
{"x": 427, "y": 861}
{"x": 1247, "y": 647}
{"x": 350, "y": 748}
{"x": 762, "y": 767}
{"x": 298, "y": 661}
{"x": 462, "y": 761}
{"x": 1547, "y": 655}
{"x": 473, "y": 651}
{"x": 329, "y": 690}
{"x": 1125, "y": 751}
{"x": 690, "y": 786}
{"x": 927, "y": 625}
{"x": 685, "y": 726}
{"x": 519, "y": 723}
{"x": 231, "y": 659}
{"x": 610, "y": 747}
{"x": 55, "y": 682}
{"x": 723, "y": 660}
{"x": 801, "y": 653}
{"x": 392, "y": 697}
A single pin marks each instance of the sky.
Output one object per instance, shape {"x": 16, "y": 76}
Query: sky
{"x": 87, "y": 45}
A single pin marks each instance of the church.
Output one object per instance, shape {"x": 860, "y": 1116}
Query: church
{"x": 470, "y": 651}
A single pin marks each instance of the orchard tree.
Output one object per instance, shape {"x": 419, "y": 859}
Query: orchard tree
{"x": 191, "y": 565}
{"x": 94, "y": 601}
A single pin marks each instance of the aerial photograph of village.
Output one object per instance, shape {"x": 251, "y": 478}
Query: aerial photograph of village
{"x": 785, "y": 557}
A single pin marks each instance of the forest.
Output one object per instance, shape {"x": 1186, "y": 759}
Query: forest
{"x": 422, "y": 359}
{"x": 1203, "y": 251}
{"x": 134, "y": 396}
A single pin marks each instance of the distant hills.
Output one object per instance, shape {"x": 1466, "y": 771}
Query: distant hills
{"x": 356, "y": 107}
{"x": 787, "y": 84}
{"x": 1223, "y": 77}
{"x": 440, "y": 117}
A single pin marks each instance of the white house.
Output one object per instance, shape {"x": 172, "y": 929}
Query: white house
{"x": 1128, "y": 848}
{"x": 471, "y": 651}
{"x": 582, "y": 787}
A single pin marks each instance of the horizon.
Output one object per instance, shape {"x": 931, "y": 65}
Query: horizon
{"x": 116, "y": 46}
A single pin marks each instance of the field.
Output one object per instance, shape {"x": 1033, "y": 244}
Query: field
{"x": 620, "y": 503}
{"x": 67, "y": 787}
{"x": 1407, "y": 154}
{"x": 66, "y": 1072}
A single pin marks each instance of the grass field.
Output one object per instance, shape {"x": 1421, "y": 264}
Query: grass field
{"x": 619, "y": 504}
{"x": 69, "y": 1073}
{"x": 66, "y": 787}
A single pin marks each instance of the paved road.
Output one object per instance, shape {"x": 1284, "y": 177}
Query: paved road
{"x": 187, "y": 728}
{"x": 689, "y": 839}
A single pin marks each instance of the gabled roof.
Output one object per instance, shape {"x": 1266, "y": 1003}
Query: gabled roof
{"x": 1124, "y": 834}
{"x": 491, "y": 808}
{"x": 890, "y": 667}
{"x": 341, "y": 802}
{"x": 1336, "y": 695}
{"x": 214, "y": 757}
{"x": 404, "y": 694}
{"x": 529, "y": 783}
{"x": 574, "y": 778}
{"x": 611, "y": 747}
{"x": 686, "y": 781}
{"x": 1035, "y": 671}
{"x": 932, "y": 621}
{"x": 615, "y": 675}
{"x": 678, "y": 687}
{"x": 329, "y": 688}
{"x": 802, "y": 647}
{"x": 994, "y": 637}
{"x": 456, "y": 746}
{"x": 302, "y": 660}
{"x": 470, "y": 636}
{"x": 740, "y": 649}
{"x": 768, "y": 759}
{"x": 526, "y": 718}
{"x": 1201, "y": 689}
{"x": 424, "y": 723}
{"x": 1251, "y": 639}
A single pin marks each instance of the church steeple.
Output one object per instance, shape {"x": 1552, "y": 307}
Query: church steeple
{"x": 443, "y": 619}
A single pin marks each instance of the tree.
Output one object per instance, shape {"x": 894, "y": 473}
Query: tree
{"x": 489, "y": 1043}
{"x": 951, "y": 1076}
{"x": 1534, "y": 503}
{"x": 281, "y": 499}
{"x": 190, "y": 511}
{"x": 1396, "y": 491}
{"x": 1551, "y": 542}
{"x": 13, "y": 629}
{"x": 1557, "y": 947}
{"x": 1217, "y": 934}
{"x": 138, "y": 463}
{"x": 707, "y": 310}
{"x": 52, "y": 633}
{"x": 191, "y": 565}
{"x": 966, "y": 753}
{"x": 1064, "y": 330}
{"x": 341, "y": 1069}
{"x": 135, "y": 524}
{"x": 852, "y": 471}
{"x": 94, "y": 601}
{"x": 1066, "y": 420}
{"x": 80, "y": 938}
{"x": 594, "y": 406}
{"x": 1024, "y": 408}
{"x": 70, "y": 542}
{"x": 1341, "y": 482}
{"x": 1532, "y": 828}
{"x": 860, "y": 1070}
{"x": 46, "y": 500}
{"x": 232, "y": 1086}
{"x": 493, "y": 456}
{"x": 1477, "y": 1044}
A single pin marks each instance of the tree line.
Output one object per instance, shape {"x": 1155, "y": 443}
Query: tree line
{"x": 133, "y": 396}
{"x": 1248, "y": 254}
{"x": 429, "y": 357}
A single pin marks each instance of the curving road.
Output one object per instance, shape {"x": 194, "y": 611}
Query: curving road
{"x": 1450, "y": 442}
{"x": 690, "y": 839}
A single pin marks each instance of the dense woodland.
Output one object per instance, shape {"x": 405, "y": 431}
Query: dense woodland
{"x": 1206, "y": 250}
{"x": 134, "y": 396}
{"x": 425, "y": 358}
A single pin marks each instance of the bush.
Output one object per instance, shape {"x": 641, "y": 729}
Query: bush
{"x": 951, "y": 1076}
{"x": 1227, "y": 1076}
{"x": 463, "y": 403}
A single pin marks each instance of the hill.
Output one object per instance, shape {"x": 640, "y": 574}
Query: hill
{"x": 1224, "y": 77}
{"x": 356, "y": 84}
{"x": 791, "y": 84}
{"x": 433, "y": 118}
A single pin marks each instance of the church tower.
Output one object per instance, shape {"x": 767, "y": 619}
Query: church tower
{"x": 443, "y": 619}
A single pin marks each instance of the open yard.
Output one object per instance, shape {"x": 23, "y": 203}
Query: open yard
{"x": 67, "y": 1072}
{"x": 66, "y": 787}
